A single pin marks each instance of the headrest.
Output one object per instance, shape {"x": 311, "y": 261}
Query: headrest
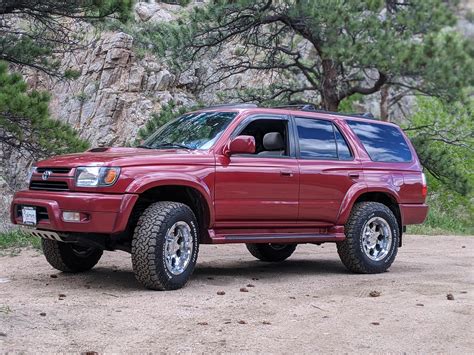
{"x": 273, "y": 141}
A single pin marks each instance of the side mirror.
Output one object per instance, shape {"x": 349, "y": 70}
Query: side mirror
{"x": 240, "y": 145}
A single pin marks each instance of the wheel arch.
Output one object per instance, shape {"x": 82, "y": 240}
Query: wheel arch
{"x": 388, "y": 198}
{"x": 184, "y": 192}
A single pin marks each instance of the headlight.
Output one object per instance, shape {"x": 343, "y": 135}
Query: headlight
{"x": 30, "y": 174}
{"x": 94, "y": 176}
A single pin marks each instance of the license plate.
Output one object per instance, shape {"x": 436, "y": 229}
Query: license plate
{"x": 29, "y": 216}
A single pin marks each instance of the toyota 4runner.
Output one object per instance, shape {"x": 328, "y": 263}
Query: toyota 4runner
{"x": 269, "y": 178}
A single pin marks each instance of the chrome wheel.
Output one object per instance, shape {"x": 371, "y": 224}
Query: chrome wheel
{"x": 376, "y": 238}
{"x": 178, "y": 247}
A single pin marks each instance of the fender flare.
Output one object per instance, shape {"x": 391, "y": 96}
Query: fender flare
{"x": 154, "y": 180}
{"x": 354, "y": 193}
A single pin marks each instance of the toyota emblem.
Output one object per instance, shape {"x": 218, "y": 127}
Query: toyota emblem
{"x": 46, "y": 174}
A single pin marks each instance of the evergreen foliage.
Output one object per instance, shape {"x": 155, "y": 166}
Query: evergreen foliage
{"x": 25, "y": 124}
{"x": 34, "y": 32}
{"x": 329, "y": 49}
{"x": 443, "y": 135}
{"x": 178, "y": 2}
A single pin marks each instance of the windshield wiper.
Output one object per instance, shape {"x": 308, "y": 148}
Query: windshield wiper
{"x": 144, "y": 146}
{"x": 175, "y": 145}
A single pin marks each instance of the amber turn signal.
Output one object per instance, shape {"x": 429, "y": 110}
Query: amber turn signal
{"x": 110, "y": 176}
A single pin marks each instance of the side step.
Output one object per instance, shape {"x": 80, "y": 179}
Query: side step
{"x": 224, "y": 237}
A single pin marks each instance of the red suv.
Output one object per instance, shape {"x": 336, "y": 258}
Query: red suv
{"x": 270, "y": 178}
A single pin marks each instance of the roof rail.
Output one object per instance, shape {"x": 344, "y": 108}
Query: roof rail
{"x": 239, "y": 105}
{"x": 313, "y": 108}
{"x": 302, "y": 107}
{"x": 348, "y": 114}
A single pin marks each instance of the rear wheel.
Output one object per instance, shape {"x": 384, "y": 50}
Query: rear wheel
{"x": 69, "y": 257}
{"x": 271, "y": 251}
{"x": 372, "y": 238}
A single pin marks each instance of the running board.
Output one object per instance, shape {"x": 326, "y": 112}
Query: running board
{"x": 275, "y": 238}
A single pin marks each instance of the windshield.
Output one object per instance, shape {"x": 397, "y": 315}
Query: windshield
{"x": 192, "y": 131}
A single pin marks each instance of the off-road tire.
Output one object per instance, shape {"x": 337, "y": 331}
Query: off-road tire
{"x": 148, "y": 245}
{"x": 351, "y": 250}
{"x": 67, "y": 257}
{"x": 266, "y": 252}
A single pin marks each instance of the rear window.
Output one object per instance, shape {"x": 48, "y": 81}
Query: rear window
{"x": 382, "y": 142}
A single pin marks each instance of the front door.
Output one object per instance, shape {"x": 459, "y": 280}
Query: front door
{"x": 261, "y": 189}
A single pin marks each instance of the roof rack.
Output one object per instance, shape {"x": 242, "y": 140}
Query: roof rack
{"x": 238, "y": 105}
{"x": 301, "y": 107}
{"x": 313, "y": 108}
{"x": 304, "y": 106}
{"x": 355, "y": 114}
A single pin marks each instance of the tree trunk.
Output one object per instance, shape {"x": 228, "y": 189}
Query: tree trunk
{"x": 329, "y": 104}
{"x": 329, "y": 96}
{"x": 384, "y": 99}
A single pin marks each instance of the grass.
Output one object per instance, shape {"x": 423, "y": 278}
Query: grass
{"x": 15, "y": 239}
{"x": 446, "y": 219}
{"x": 5, "y": 309}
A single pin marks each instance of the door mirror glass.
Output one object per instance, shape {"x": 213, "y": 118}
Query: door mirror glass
{"x": 240, "y": 145}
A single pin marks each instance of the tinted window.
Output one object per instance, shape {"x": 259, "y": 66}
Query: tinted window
{"x": 343, "y": 150}
{"x": 316, "y": 138}
{"x": 382, "y": 142}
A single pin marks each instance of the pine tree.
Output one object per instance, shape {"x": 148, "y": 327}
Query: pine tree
{"x": 443, "y": 135}
{"x": 25, "y": 124}
{"x": 32, "y": 32}
{"x": 329, "y": 49}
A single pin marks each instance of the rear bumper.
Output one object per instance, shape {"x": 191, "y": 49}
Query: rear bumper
{"x": 106, "y": 213}
{"x": 413, "y": 213}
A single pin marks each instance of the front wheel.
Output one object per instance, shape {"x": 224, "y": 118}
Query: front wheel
{"x": 69, "y": 257}
{"x": 372, "y": 238}
{"x": 165, "y": 246}
{"x": 271, "y": 251}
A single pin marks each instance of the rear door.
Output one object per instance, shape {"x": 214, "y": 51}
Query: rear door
{"x": 328, "y": 169}
{"x": 392, "y": 163}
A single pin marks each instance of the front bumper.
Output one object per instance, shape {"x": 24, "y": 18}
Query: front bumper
{"x": 106, "y": 213}
{"x": 413, "y": 213}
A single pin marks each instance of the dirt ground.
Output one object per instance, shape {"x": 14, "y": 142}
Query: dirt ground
{"x": 306, "y": 304}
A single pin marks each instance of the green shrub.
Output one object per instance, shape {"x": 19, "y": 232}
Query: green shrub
{"x": 17, "y": 239}
{"x": 177, "y": 2}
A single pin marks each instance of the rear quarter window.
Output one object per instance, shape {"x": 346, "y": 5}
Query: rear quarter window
{"x": 382, "y": 142}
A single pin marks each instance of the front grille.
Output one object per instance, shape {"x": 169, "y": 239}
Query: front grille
{"x": 54, "y": 170}
{"x": 49, "y": 185}
{"x": 41, "y": 213}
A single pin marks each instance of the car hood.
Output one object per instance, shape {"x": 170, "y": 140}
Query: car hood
{"x": 123, "y": 157}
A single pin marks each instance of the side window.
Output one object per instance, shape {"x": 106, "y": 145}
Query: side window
{"x": 271, "y": 137}
{"x": 382, "y": 142}
{"x": 343, "y": 150}
{"x": 316, "y": 139}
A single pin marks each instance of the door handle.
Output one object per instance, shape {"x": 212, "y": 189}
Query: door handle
{"x": 354, "y": 175}
{"x": 288, "y": 173}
